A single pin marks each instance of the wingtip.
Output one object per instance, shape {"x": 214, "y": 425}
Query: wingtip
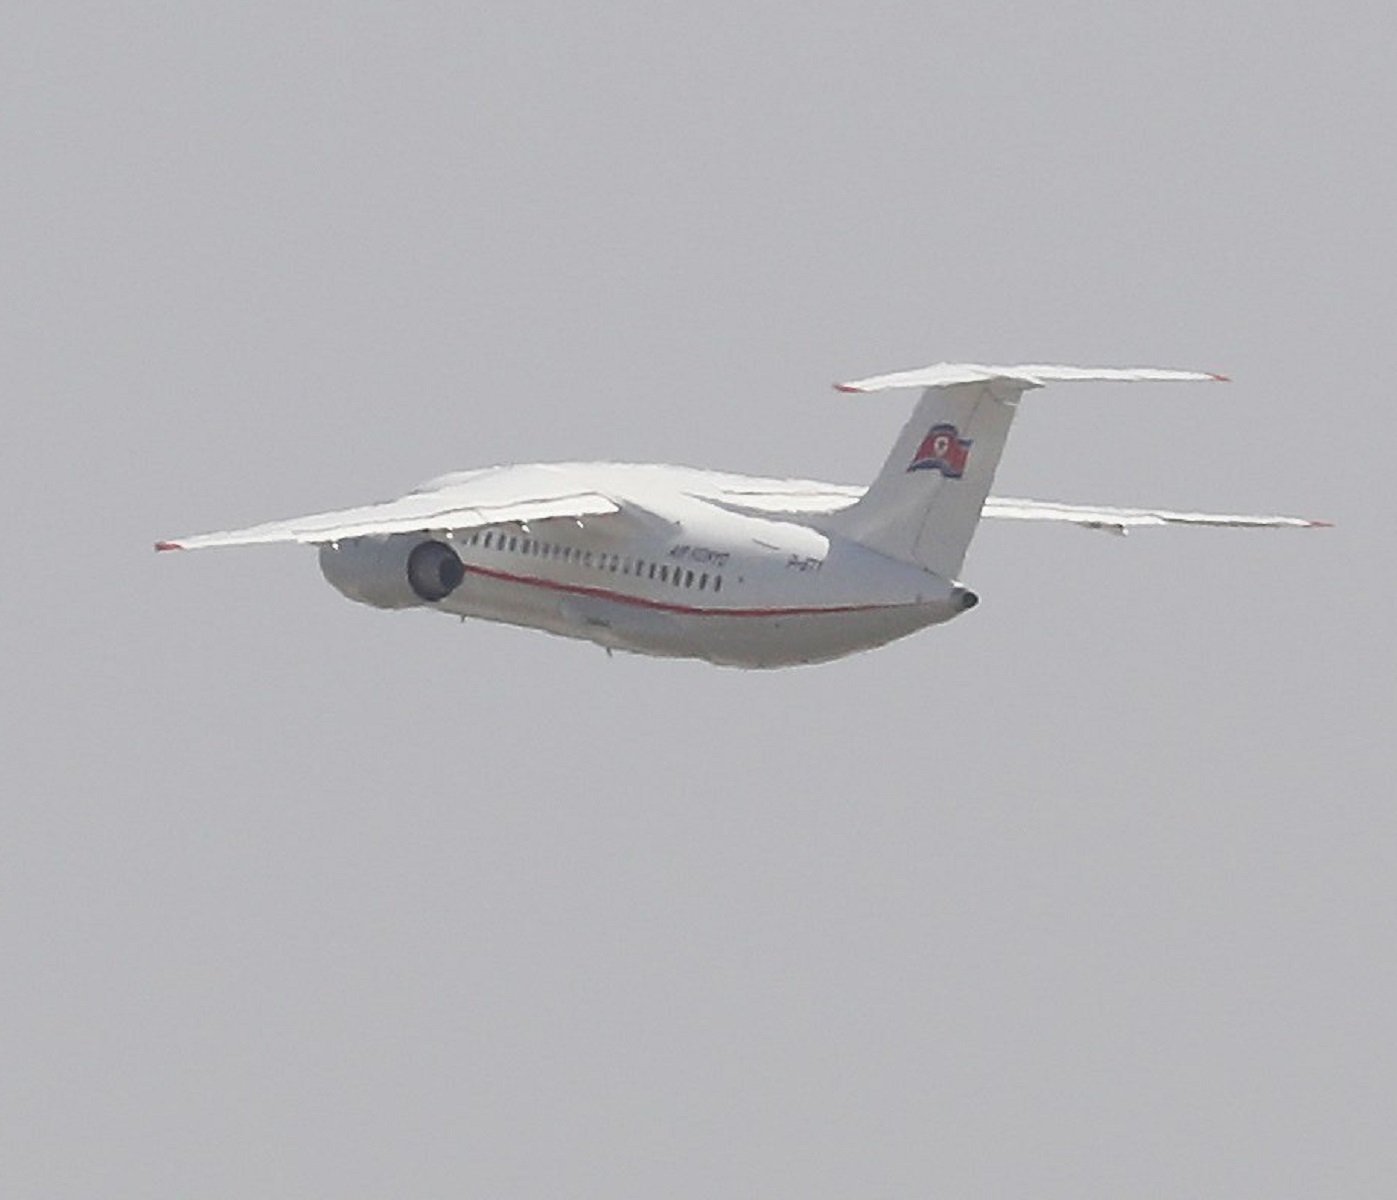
{"x": 1320, "y": 524}
{"x": 167, "y": 546}
{"x": 1220, "y": 378}
{"x": 847, "y": 387}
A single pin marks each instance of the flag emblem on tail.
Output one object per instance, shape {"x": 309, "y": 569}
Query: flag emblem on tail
{"x": 944, "y": 450}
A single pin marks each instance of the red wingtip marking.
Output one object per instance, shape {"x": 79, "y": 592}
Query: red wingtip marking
{"x": 1322, "y": 524}
{"x": 846, "y": 387}
{"x": 1223, "y": 378}
{"x": 168, "y": 546}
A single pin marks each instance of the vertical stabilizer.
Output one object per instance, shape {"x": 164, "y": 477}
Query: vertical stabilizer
{"x": 925, "y": 504}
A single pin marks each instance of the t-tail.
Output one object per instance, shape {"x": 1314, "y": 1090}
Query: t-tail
{"x": 925, "y": 503}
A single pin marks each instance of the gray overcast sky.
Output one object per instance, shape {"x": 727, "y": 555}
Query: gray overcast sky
{"x": 1089, "y": 893}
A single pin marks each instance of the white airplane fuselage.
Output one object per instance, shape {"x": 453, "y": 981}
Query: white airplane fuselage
{"x": 691, "y": 580}
{"x": 734, "y": 569}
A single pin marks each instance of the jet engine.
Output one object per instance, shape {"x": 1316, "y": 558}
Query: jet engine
{"x": 401, "y": 571}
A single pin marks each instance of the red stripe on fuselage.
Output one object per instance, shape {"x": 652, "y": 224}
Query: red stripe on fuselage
{"x": 659, "y": 605}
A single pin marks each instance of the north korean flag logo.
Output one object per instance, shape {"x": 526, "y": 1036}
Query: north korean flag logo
{"x": 944, "y": 450}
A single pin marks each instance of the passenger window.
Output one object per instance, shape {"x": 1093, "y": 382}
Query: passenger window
{"x": 664, "y": 574}
{"x": 688, "y": 579}
{"x": 703, "y": 581}
{"x": 717, "y": 583}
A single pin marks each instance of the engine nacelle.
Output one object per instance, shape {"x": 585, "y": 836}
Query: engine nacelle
{"x": 401, "y": 571}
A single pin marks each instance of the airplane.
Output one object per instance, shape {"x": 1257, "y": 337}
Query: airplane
{"x": 736, "y": 570}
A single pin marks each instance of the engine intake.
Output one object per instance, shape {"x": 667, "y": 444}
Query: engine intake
{"x": 401, "y": 571}
{"x": 434, "y": 571}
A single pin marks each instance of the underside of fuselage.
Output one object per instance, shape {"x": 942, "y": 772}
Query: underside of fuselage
{"x": 733, "y": 638}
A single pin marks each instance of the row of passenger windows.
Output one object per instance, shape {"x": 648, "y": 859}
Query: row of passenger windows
{"x": 619, "y": 564}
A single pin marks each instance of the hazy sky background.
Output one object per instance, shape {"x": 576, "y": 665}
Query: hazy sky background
{"x": 1089, "y": 893}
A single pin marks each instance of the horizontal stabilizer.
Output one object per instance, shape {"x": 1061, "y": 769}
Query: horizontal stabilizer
{"x": 1025, "y": 376}
{"x": 927, "y": 500}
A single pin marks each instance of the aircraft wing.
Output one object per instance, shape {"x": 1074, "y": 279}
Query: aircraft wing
{"x": 458, "y": 505}
{"x": 1122, "y": 520}
{"x": 777, "y": 497}
{"x": 799, "y": 498}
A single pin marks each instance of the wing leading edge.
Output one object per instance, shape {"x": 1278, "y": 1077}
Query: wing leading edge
{"x": 1122, "y": 520}
{"x": 797, "y": 499}
{"x": 474, "y": 499}
{"x": 413, "y": 513}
